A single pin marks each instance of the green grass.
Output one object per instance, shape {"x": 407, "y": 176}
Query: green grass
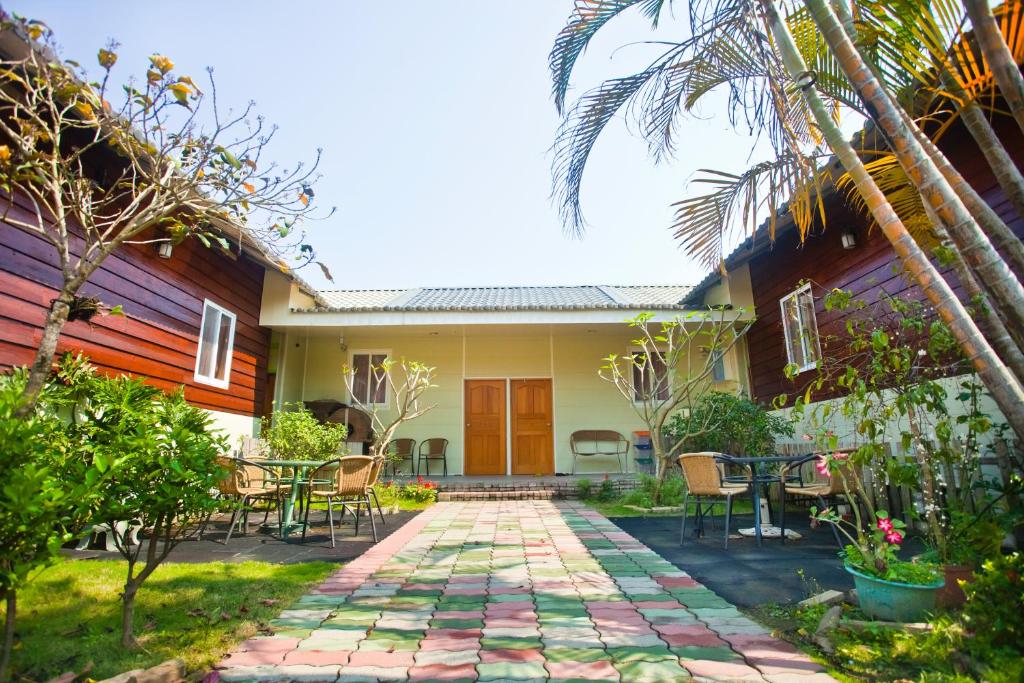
{"x": 69, "y": 616}
{"x": 617, "y": 508}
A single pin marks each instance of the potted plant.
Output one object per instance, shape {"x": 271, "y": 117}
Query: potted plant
{"x": 888, "y": 588}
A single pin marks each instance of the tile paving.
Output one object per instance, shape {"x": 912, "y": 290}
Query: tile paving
{"x": 514, "y": 591}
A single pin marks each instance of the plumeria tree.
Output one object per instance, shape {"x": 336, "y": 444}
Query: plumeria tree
{"x": 89, "y": 166}
{"x": 403, "y": 384}
{"x": 671, "y": 370}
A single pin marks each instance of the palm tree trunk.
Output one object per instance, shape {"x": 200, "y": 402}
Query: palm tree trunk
{"x": 1005, "y": 388}
{"x": 1003, "y": 168}
{"x": 1006, "y": 290}
{"x": 997, "y": 53}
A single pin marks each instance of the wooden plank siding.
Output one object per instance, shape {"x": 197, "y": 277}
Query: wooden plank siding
{"x": 162, "y": 299}
{"x": 866, "y": 270}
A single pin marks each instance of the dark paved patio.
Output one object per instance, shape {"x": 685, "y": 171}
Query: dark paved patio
{"x": 745, "y": 574}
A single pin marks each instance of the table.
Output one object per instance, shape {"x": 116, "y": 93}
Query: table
{"x": 760, "y": 477}
{"x": 299, "y": 469}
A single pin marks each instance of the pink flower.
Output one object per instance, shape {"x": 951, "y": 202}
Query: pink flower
{"x": 840, "y": 456}
{"x": 822, "y": 466}
{"x": 807, "y": 437}
{"x": 894, "y": 537}
{"x": 885, "y": 524}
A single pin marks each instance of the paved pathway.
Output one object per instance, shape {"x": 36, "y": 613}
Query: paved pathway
{"x": 515, "y": 591}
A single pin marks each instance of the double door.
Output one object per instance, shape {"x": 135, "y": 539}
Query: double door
{"x": 503, "y": 414}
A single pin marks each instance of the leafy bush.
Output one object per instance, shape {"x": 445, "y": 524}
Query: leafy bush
{"x": 993, "y": 609}
{"x": 606, "y": 492}
{"x": 672, "y": 489}
{"x": 727, "y": 423}
{"x": 583, "y": 488}
{"x": 295, "y": 434}
{"x": 422, "y": 491}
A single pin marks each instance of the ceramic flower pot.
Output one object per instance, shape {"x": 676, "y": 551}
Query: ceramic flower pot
{"x": 952, "y": 595}
{"x": 892, "y": 601}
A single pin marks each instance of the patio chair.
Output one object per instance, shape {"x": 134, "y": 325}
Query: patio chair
{"x": 818, "y": 487}
{"x": 248, "y": 482}
{"x": 347, "y": 486}
{"x": 378, "y": 466}
{"x": 399, "y": 450}
{"x": 588, "y": 443}
{"x": 436, "y": 449}
{"x": 704, "y": 481}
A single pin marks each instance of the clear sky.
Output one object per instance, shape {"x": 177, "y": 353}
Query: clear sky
{"x": 436, "y": 123}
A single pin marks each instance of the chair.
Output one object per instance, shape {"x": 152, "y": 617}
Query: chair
{"x": 348, "y": 484}
{"x": 247, "y": 481}
{"x": 379, "y": 463}
{"x": 436, "y": 449}
{"x": 398, "y": 451}
{"x": 818, "y": 487}
{"x": 704, "y": 480}
{"x": 588, "y": 443}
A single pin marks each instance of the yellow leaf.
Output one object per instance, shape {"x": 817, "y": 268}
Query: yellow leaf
{"x": 5, "y": 153}
{"x": 85, "y": 109}
{"x": 106, "y": 58}
{"x": 161, "y": 63}
{"x": 249, "y": 188}
{"x": 304, "y": 199}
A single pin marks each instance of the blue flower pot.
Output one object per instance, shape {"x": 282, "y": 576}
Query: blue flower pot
{"x": 892, "y": 601}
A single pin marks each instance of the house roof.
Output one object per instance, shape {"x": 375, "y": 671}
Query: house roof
{"x": 586, "y": 297}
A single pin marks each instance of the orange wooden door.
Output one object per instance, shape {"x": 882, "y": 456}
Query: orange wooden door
{"x": 532, "y": 442}
{"x": 485, "y": 426}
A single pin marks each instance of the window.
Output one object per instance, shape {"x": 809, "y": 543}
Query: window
{"x": 718, "y": 366}
{"x": 216, "y": 342}
{"x": 650, "y": 376}
{"x": 800, "y": 328}
{"x": 368, "y": 385}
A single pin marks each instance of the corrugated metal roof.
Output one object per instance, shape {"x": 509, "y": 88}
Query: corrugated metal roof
{"x": 586, "y": 297}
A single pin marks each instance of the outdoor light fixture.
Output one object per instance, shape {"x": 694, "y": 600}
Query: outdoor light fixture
{"x": 849, "y": 241}
{"x": 341, "y": 343}
{"x": 165, "y": 249}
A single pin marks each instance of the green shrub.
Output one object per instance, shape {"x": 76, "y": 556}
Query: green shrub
{"x": 583, "y": 488}
{"x": 606, "y": 492}
{"x": 727, "y": 423}
{"x": 993, "y": 609}
{"x": 672, "y": 489}
{"x": 421, "y": 491}
{"x": 294, "y": 434}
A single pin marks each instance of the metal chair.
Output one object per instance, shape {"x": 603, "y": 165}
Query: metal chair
{"x": 704, "y": 480}
{"x": 588, "y": 443}
{"x": 348, "y": 484}
{"x": 819, "y": 487}
{"x": 246, "y": 482}
{"x": 398, "y": 451}
{"x": 436, "y": 450}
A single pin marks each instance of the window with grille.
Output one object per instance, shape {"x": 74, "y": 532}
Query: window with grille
{"x": 650, "y": 376}
{"x": 368, "y": 382}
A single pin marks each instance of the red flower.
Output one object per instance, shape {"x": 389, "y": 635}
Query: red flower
{"x": 885, "y": 524}
{"x": 894, "y": 537}
{"x": 419, "y": 479}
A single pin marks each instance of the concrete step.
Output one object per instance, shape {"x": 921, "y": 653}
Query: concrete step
{"x": 497, "y": 494}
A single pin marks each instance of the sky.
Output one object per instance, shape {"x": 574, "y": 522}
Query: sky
{"x": 436, "y": 124}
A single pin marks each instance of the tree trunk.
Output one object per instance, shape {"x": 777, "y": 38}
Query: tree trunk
{"x": 1006, "y": 290}
{"x": 5, "y": 657}
{"x": 131, "y": 588}
{"x": 43, "y": 361}
{"x": 1005, "y": 388}
{"x": 997, "y": 53}
{"x": 1005, "y": 170}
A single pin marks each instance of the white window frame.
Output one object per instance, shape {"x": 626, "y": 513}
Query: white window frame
{"x": 352, "y": 368}
{"x": 225, "y": 382}
{"x": 802, "y": 324}
{"x": 633, "y": 350}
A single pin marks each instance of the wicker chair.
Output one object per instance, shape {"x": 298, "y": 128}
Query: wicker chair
{"x": 399, "y": 450}
{"x": 348, "y": 484}
{"x": 703, "y": 481}
{"x": 379, "y": 463}
{"x": 436, "y": 449}
{"x": 248, "y": 482}
{"x": 818, "y": 487}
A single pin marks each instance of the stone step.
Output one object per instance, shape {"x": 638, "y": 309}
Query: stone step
{"x": 497, "y": 494}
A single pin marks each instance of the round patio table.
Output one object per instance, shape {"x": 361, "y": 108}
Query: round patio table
{"x": 299, "y": 469}
{"x": 761, "y": 478}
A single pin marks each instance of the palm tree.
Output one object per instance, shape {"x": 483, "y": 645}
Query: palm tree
{"x": 730, "y": 47}
{"x": 997, "y": 54}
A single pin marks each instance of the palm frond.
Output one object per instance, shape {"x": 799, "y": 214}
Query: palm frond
{"x": 892, "y": 180}
{"x": 587, "y": 18}
{"x": 706, "y": 223}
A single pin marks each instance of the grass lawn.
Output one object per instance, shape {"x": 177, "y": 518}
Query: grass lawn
{"x": 69, "y": 616}
{"x": 617, "y": 508}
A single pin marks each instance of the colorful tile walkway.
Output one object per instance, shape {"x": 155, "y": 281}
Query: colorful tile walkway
{"x": 515, "y": 591}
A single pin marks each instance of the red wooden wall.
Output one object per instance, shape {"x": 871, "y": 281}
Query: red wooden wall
{"x": 865, "y": 270}
{"x": 163, "y": 304}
